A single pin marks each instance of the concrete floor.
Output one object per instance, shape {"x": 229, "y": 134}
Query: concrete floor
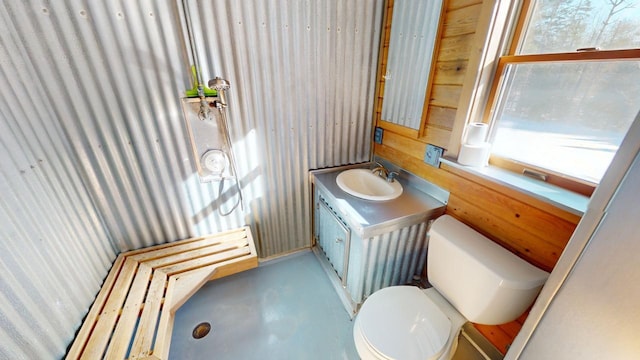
{"x": 284, "y": 309}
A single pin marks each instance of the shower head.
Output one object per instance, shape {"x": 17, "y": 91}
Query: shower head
{"x": 220, "y": 85}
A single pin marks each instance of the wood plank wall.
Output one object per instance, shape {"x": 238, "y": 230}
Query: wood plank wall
{"x": 534, "y": 230}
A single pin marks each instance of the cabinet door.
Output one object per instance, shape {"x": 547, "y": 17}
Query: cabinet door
{"x": 333, "y": 239}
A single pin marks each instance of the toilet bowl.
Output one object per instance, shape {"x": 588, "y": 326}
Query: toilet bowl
{"x": 473, "y": 279}
{"x": 405, "y": 322}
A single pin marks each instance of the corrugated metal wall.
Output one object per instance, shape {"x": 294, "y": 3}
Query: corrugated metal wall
{"x": 95, "y": 157}
{"x": 302, "y": 83}
{"x": 413, "y": 38}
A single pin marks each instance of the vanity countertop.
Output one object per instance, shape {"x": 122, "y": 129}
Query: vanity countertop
{"x": 369, "y": 218}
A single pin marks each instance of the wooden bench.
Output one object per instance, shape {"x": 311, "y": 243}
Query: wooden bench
{"x": 132, "y": 316}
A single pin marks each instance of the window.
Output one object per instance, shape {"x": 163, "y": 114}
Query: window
{"x": 567, "y": 90}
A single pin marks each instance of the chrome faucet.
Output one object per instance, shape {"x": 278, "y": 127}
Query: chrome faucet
{"x": 380, "y": 171}
{"x": 384, "y": 173}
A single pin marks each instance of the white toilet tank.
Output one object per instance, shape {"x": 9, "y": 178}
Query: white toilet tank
{"x": 485, "y": 282}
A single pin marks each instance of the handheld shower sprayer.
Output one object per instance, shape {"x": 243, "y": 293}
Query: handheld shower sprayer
{"x": 221, "y": 86}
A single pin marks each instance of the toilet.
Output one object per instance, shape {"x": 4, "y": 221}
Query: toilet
{"x": 474, "y": 279}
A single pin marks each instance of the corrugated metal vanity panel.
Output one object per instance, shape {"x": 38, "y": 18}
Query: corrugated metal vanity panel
{"x": 389, "y": 259}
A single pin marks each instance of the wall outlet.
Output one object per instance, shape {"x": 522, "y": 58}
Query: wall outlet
{"x": 377, "y": 135}
{"x": 432, "y": 155}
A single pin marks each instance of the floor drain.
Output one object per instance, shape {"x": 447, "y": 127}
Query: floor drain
{"x": 201, "y": 330}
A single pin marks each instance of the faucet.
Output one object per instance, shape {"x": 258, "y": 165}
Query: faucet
{"x": 384, "y": 173}
{"x": 380, "y": 170}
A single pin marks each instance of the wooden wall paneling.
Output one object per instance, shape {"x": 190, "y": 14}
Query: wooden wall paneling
{"x": 502, "y": 335}
{"x": 407, "y": 145}
{"x": 410, "y": 162}
{"x": 511, "y": 328}
{"x": 447, "y": 76}
{"x": 442, "y": 117}
{"x": 436, "y": 135}
{"x": 455, "y": 48}
{"x": 461, "y": 21}
{"x": 402, "y": 145}
{"x": 538, "y": 222}
{"x": 533, "y": 249}
{"x": 398, "y": 129}
{"x": 445, "y": 95}
{"x": 457, "y": 4}
{"x": 500, "y": 339}
{"x": 450, "y": 72}
{"x": 413, "y": 162}
{"x": 516, "y": 194}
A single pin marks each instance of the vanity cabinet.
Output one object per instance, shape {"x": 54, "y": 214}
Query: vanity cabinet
{"x": 333, "y": 237}
{"x": 366, "y": 245}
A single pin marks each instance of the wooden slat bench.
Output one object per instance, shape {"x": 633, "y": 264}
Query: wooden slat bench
{"x": 132, "y": 316}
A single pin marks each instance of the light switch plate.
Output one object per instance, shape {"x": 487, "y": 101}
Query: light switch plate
{"x": 377, "y": 135}
{"x": 432, "y": 155}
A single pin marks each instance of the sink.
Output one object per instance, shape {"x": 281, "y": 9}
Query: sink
{"x": 364, "y": 184}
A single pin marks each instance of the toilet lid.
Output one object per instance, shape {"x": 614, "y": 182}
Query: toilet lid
{"x": 401, "y": 322}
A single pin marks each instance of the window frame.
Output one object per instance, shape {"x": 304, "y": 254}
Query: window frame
{"x": 515, "y": 33}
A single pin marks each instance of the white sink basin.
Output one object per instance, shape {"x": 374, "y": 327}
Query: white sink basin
{"x": 364, "y": 184}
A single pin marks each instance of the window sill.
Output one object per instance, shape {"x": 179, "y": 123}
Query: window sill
{"x": 564, "y": 199}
